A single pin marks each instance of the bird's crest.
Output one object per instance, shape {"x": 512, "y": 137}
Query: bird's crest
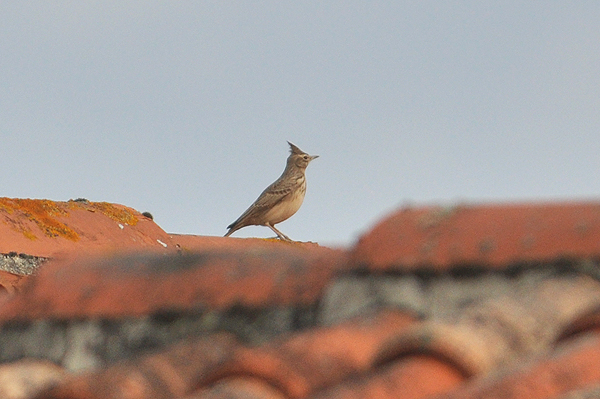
{"x": 294, "y": 149}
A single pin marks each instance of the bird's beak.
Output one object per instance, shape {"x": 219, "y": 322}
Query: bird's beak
{"x": 313, "y": 157}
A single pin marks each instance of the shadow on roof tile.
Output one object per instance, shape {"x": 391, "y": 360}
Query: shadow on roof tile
{"x": 294, "y": 366}
{"x": 172, "y": 373}
{"x": 502, "y": 330}
{"x": 586, "y": 323}
{"x": 572, "y": 366}
{"x": 412, "y": 377}
{"x": 11, "y": 283}
{"x": 309, "y": 361}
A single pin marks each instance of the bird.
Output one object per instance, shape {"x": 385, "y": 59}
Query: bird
{"x": 281, "y": 199}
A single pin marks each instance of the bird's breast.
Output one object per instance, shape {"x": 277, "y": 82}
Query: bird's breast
{"x": 288, "y": 206}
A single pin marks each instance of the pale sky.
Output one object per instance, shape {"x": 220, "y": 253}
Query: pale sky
{"x": 183, "y": 108}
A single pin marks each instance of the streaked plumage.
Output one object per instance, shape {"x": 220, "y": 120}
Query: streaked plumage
{"x": 281, "y": 199}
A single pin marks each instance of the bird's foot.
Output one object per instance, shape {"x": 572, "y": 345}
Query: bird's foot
{"x": 285, "y": 238}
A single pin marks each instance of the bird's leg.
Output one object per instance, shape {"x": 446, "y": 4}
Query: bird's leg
{"x": 279, "y": 233}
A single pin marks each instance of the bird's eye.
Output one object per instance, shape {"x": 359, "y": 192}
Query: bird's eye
{"x": 306, "y": 157}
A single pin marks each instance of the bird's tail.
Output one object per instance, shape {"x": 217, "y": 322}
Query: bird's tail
{"x": 231, "y": 228}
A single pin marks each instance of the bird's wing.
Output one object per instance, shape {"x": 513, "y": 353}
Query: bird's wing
{"x": 274, "y": 194}
{"x": 270, "y": 197}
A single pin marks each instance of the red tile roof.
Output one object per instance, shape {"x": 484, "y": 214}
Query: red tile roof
{"x": 293, "y": 367}
{"x": 307, "y": 362}
{"x": 412, "y": 377}
{"x": 570, "y": 367}
{"x": 246, "y": 387}
{"x": 490, "y": 235}
{"x": 10, "y": 282}
{"x": 531, "y": 333}
{"x": 133, "y": 284}
{"x": 26, "y": 378}
{"x": 586, "y": 322}
{"x": 173, "y": 373}
{"x": 47, "y": 228}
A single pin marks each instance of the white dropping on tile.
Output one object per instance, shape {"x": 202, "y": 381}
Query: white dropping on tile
{"x": 161, "y": 243}
{"x": 121, "y": 226}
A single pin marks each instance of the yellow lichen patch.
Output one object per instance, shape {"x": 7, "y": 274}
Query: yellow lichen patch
{"x": 43, "y": 213}
{"x": 23, "y": 229}
{"x": 29, "y": 234}
{"x": 275, "y": 239}
{"x": 4, "y": 207}
{"x": 120, "y": 215}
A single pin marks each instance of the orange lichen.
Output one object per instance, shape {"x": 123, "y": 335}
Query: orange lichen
{"x": 43, "y": 213}
{"x": 121, "y": 215}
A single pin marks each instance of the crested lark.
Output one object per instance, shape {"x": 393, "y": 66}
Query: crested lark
{"x": 281, "y": 199}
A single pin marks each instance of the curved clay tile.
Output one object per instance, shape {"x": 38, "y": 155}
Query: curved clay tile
{"x": 481, "y": 235}
{"x": 46, "y": 228}
{"x": 173, "y": 373}
{"x": 239, "y": 388}
{"x": 26, "y": 378}
{"x": 413, "y": 377}
{"x": 307, "y": 362}
{"x": 142, "y": 283}
{"x": 586, "y": 323}
{"x": 573, "y": 366}
{"x": 293, "y": 366}
{"x": 500, "y": 331}
{"x": 11, "y": 283}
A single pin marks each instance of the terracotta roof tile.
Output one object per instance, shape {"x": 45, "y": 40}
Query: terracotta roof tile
{"x": 573, "y": 366}
{"x": 592, "y": 392}
{"x": 197, "y": 243}
{"x": 309, "y": 361}
{"x": 10, "y": 282}
{"x": 293, "y": 367}
{"x": 240, "y": 388}
{"x": 499, "y": 331}
{"x": 530, "y": 331}
{"x": 46, "y": 228}
{"x": 585, "y": 323}
{"x": 22, "y": 380}
{"x": 495, "y": 235}
{"x": 172, "y": 373}
{"x": 415, "y": 376}
{"x": 136, "y": 284}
